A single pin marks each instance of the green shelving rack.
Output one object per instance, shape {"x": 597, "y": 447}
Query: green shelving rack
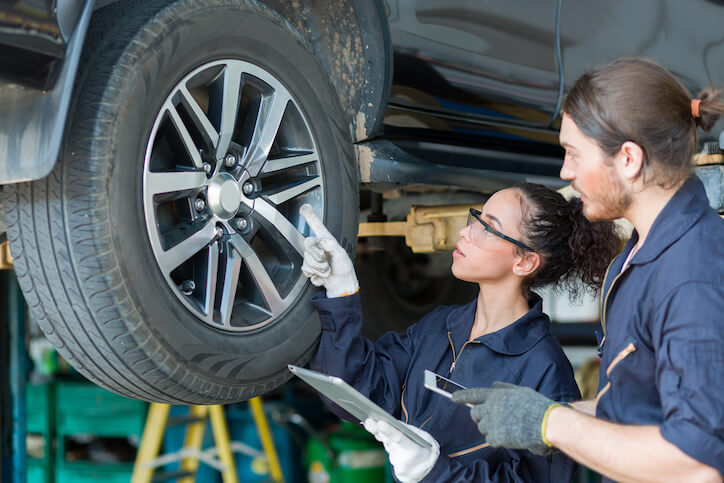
{"x": 84, "y": 408}
{"x": 40, "y": 404}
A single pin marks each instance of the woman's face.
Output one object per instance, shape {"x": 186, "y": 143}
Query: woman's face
{"x": 480, "y": 256}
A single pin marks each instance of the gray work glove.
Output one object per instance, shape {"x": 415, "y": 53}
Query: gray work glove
{"x": 326, "y": 264}
{"x": 510, "y": 416}
{"x": 410, "y": 461}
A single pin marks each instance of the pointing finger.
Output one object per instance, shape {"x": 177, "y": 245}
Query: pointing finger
{"x": 315, "y": 224}
{"x": 311, "y": 247}
{"x": 329, "y": 245}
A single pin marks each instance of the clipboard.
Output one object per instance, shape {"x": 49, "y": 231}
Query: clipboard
{"x": 352, "y": 401}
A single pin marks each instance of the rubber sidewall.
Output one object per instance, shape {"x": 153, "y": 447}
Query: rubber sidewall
{"x": 188, "y": 35}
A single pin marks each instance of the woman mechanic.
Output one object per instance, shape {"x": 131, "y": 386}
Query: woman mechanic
{"x": 526, "y": 237}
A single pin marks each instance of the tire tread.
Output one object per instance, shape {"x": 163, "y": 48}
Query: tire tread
{"x": 60, "y": 234}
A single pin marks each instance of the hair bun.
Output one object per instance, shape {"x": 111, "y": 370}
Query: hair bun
{"x": 709, "y": 108}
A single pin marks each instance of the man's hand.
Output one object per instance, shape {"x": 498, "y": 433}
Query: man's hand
{"x": 510, "y": 416}
{"x": 325, "y": 261}
{"x": 410, "y": 461}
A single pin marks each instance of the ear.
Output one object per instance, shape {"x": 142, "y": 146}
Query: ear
{"x": 526, "y": 264}
{"x": 630, "y": 161}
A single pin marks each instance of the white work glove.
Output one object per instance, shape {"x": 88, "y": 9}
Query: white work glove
{"x": 326, "y": 263}
{"x": 410, "y": 461}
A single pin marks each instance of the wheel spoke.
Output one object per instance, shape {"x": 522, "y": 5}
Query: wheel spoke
{"x": 185, "y": 136}
{"x": 173, "y": 181}
{"x": 276, "y": 219}
{"x": 212, "y": 272}
{"x": 263, "y": 281}
{"x": 199, "y": 117}
{"x": 267, "y": 125}
{"x": 179, "y": 253}
{"x": 231, "y": 281}
{"x": 229, "y": 107}
{"x": 273, "y": 165}
{"x": 293, "y": 190}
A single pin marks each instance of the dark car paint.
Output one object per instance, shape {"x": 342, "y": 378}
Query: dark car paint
{"x": 484, "y": 75}
{"x": 466, "y": 78}
{"x": 481, "y": 59}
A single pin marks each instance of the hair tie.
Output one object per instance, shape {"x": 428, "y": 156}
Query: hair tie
{"x": 695, "y": 107}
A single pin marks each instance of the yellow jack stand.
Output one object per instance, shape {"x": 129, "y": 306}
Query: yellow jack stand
{"x": 148, "y": 458}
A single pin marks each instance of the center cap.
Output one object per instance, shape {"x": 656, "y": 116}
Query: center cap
{"x": 224, "y": 195}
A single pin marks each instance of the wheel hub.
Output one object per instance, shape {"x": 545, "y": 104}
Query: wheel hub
{"x": 224, "y": 196}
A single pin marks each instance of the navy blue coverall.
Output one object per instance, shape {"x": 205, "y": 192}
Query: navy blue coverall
{"x": 390, "y": 373}
{"x": 663, "y": 316}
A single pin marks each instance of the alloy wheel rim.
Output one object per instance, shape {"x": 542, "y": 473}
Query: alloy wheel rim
{"x": 229, "y": 161}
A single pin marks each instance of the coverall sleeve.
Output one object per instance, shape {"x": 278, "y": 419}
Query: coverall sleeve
{"x": 520, "y": 466}
{"x": 689, "y": 361}
{"x": 376, "y": 370}
{"x": 506, "y": 465}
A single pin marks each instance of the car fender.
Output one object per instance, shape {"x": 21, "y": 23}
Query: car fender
{"x": 32, "y": 121}
{"x": 352, "y": 41}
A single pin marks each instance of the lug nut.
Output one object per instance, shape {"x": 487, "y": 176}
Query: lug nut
{"x": 199, "y": 204}
{"x": 187, "y": 287}
{"x": 241, "y": 224}
{"x": 219, "y": 232}
{"x": 230, "y": 161}
{"x": 207, "y": 168}
{"x": 248, "y": 188}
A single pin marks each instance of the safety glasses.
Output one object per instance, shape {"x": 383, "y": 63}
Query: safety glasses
{"x": 474, "y": 228}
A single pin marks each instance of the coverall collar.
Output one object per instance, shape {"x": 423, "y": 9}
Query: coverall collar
{"x": 514, "y": 339}
{"x": 677, "y": 217}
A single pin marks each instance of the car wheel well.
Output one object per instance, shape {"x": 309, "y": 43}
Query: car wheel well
{"x": 352, "y": 43}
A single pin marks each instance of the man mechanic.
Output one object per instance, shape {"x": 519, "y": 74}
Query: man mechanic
{"x": 630, "y": 130}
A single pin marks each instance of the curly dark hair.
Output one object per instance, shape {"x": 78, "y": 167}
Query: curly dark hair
{"x": 574, "y": 251}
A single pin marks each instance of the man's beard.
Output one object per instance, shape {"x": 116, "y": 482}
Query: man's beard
{"x": 612, "y": 200}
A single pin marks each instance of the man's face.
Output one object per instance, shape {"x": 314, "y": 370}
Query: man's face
{"x": 592, "y": 174}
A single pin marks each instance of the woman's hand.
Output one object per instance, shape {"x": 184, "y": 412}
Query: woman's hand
{"x": 410, "y": 461}
{"x": 326, "y": 263}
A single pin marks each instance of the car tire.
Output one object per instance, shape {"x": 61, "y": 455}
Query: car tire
{"x": 132, "y": 254}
